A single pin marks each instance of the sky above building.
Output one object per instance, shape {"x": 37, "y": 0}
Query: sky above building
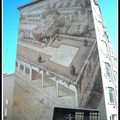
{"x": 11, "y": 24}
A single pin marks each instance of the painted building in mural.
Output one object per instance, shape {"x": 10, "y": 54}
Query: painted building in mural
{"x": 64, "y": 59}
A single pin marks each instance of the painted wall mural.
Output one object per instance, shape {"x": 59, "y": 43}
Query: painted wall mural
{"x": 41, "y": 22}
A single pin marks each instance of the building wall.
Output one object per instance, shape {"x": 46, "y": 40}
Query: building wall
{"x": 107, "y": 63}
{"x": 34, "y": 102}
{"x": 8, "y": 87}
{"x": 40, "y": 25}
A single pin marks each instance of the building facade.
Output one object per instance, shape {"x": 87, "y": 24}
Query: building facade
{"x": 64, "y": 59}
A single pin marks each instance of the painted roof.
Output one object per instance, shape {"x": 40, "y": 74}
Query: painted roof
{"x": 27, "y": 4}
{"x": 58, "y": 56}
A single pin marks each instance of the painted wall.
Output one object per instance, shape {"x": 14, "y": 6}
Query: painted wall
{"x": 39, "y": 23}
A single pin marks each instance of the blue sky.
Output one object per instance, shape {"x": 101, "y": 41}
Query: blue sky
{"x": 11, "y": 25}
{"x": 109, "y": 12}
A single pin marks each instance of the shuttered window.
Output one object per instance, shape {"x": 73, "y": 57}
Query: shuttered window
{"x": 108, "y": 70}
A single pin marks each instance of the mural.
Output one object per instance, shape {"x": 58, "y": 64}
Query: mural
{"x": 57, "y": 59}
{"x": 68, "y": 17}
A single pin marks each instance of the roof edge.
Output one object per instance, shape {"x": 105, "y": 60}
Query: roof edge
{"x": 7, "y": 75}
{"x": 27, "y": 4}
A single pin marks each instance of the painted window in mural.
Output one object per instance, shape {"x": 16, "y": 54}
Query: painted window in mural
{"x": 16, "y": 64}
{"x": 27, "y": 70}
{"x": 21, "y": 67}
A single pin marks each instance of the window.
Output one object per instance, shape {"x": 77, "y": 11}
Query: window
{"x": 96, "y": 2}
{"x": 111, "y": 95}
{"x": 115, "y": 76}
{"x": 16, "y": 64}
{"x": 6, "y": 101}
{"x": 108, "y": 70}
{"x": 5, "y": 112}
{"x": 104, "y": 48}
{"x": 27, "y": 70}
{"x": 115, "y": 63}
{"x": 79, "y": 115}
{"x": 21, "y": 67}
{"x": 114, "y": 117}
